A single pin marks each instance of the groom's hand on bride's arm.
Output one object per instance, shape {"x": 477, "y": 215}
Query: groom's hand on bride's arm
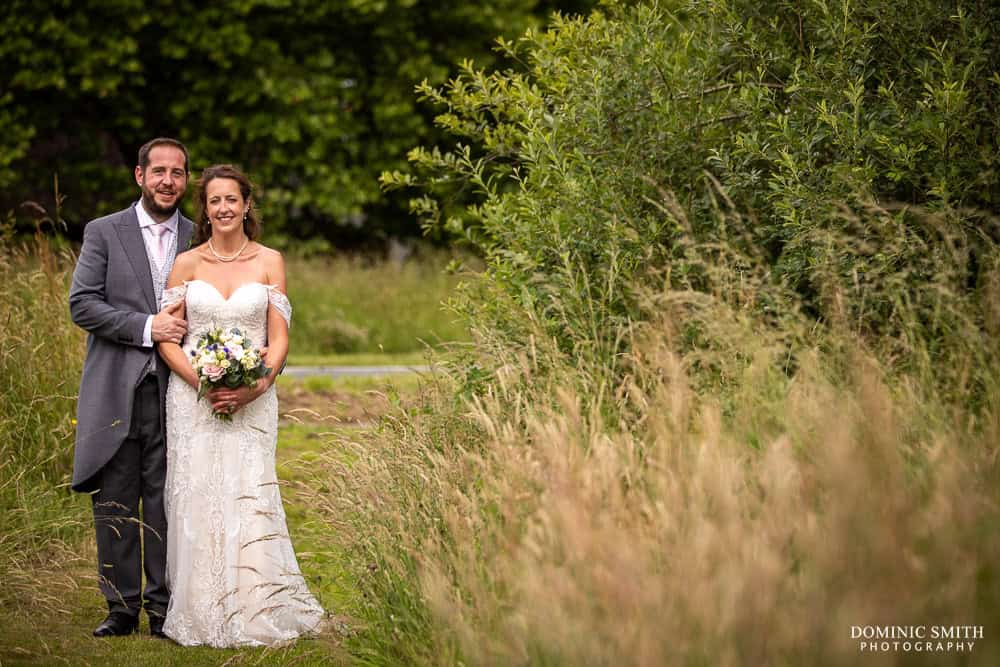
{"x": 167, "y": 328}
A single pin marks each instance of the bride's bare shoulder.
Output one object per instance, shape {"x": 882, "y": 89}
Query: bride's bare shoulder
{"x": 274, "y": 264}
{"x": 186, "y": 264}
{"x": 191, "y": 257}
{"x": 270, "y": 256}
{"x": 266, "y": 252}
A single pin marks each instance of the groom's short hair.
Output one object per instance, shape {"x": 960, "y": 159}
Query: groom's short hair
{"x": 161, "y": 141}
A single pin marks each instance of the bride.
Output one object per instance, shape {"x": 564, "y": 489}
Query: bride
{"x": 232, "y": 572}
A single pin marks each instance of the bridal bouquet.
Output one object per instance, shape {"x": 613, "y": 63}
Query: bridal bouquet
{"x": 226, "y": 358}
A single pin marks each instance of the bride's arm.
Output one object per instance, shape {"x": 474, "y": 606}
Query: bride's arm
{"x": 277, "y": 326}
{"x": 169, "y": 351}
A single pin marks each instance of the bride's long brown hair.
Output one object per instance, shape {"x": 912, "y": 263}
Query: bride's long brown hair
{"x": 202, "y": 227}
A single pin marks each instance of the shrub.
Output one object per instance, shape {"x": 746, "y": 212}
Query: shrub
{"x": 857, "y": 141}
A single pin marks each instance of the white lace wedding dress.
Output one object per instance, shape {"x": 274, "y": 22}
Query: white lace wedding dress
{"x": 232, "y": 572}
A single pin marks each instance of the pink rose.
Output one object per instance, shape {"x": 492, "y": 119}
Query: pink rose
{"x": 213, "y": 372}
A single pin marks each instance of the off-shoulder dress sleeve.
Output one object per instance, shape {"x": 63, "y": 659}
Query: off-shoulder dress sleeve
{"x": 173, "y": 295}
{"x": 281, "y": 303}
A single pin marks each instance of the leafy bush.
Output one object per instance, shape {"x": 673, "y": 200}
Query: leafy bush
{"x": 847, "y": 151}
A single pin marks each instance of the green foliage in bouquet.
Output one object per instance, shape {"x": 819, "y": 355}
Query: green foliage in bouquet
{"x": 226, "y": 358}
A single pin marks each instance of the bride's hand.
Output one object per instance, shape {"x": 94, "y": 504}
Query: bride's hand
{"x": 229, "y": 401}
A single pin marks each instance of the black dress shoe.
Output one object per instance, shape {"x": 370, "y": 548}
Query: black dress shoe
{"x": 156, "y": 626}
{"x": 117, "y": 624}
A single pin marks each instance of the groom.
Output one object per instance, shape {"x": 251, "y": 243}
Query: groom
{"x": 120, "y": 455}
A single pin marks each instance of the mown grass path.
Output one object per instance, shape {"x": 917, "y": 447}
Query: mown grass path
{"x": 57, "y": 630}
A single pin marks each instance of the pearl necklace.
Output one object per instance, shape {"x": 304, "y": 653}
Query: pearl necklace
{"x": 228, "y": 258}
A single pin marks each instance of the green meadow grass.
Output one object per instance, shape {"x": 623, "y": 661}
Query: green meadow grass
{"x": 60, "y": 633}
{"x": 390, "y": 382}
{"x": 358, "y": 359}
{"x": 49, "y": 602}
{"x": 351, "y": 305}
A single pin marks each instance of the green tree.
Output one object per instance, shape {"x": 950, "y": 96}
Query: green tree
{"x": 313, "y": 98}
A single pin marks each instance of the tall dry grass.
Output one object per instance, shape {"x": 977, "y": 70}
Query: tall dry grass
{"x": 41, "y": 354}
{"x": 742, "y": 485}
{"x": 535, "y": 534}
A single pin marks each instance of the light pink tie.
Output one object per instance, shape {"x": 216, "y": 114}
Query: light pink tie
{"x": 160, "y": 233}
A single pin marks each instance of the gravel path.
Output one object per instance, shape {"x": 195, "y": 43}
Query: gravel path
{"x": 349, "y": 371}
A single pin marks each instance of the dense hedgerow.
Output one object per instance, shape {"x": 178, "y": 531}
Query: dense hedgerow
{"x": 846, "y": 149}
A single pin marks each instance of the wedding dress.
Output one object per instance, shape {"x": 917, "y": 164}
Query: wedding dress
{"x": 232, "y": 572}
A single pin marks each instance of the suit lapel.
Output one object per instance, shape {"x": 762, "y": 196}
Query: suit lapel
{"x": 135, "y": 249}
{"x": 185, "y": 228}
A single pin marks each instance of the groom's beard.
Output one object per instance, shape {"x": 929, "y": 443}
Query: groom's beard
{"x": 149, "y": 203}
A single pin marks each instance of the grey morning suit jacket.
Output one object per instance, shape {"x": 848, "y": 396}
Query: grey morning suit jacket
{"x": 111, "y": 297}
